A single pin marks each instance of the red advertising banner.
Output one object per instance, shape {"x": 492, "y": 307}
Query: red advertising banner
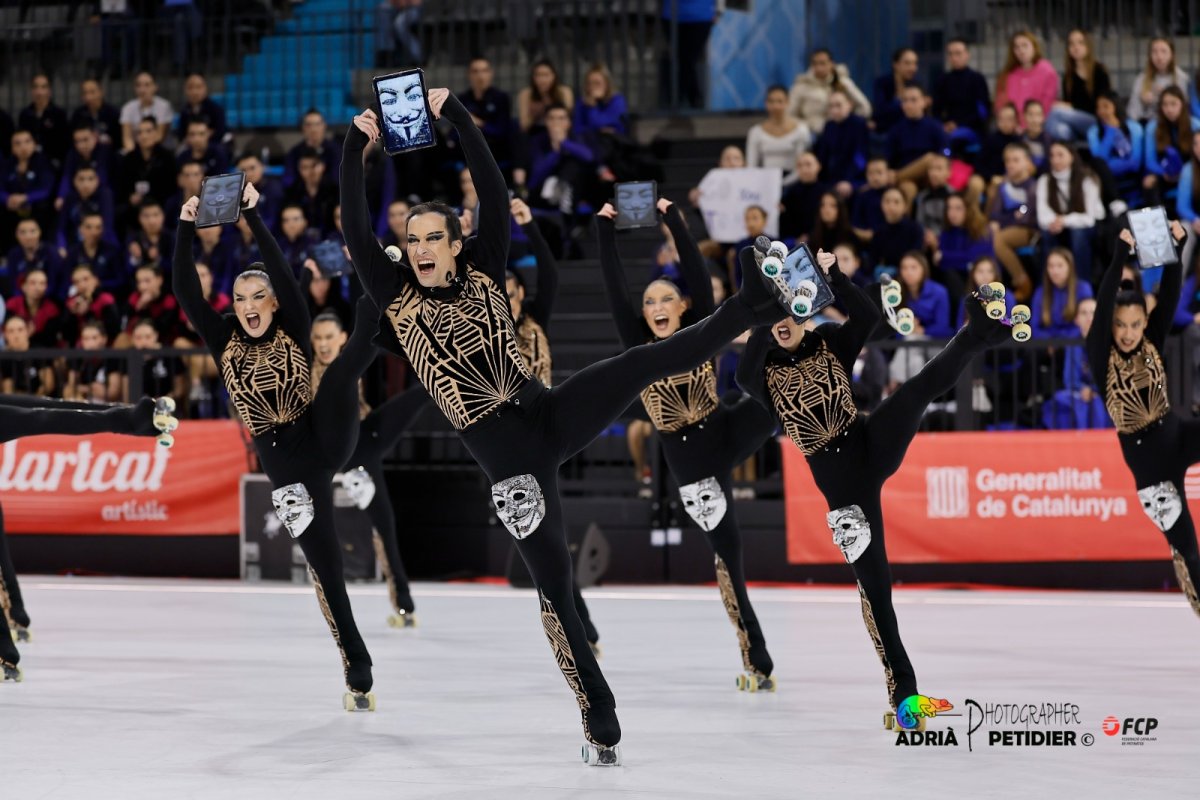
{"x": 994, "y": 497}
{"x": 124, "y": 484}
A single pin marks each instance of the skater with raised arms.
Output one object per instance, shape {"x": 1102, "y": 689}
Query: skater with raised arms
{"x": 446, "y": 310}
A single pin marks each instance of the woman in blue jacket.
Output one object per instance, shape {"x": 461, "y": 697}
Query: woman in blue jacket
{"x": 928, "y": 300}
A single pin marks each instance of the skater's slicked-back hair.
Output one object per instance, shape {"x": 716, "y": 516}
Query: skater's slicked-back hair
{"x": 1130, "y": 295}
{"x": 329, "y": 316}
{"x": 453, "y": 226}
{"x": 255, "y": 270}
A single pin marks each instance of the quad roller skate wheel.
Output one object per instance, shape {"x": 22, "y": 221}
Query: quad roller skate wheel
{"x": 1021, "y": 332}
{"x": 166, "y": 440}
{"x": 597, "y": 755}
{"x": 21, "y": 634}
{"x": 166, "y": 423}
{"x": 1021, "y": 313}
{"x": 753, "y": 682}
{"x": 801, "y": 306}
{"x": 778, "y": 250}
{"x": 164, "y": 405}
{"x": 359, "y": 701}
{"x": 905, "y": 321}
{"x": 992, "y": 291}
{"x": 890, "y": 723}
{"x": 772, "y": 266}
{"x": 891, "y": 294}
{"x": 11, "y": 672}
{"x": 393, "y": 252}
{"x": 402, "y": 620}
{"x": 995, "y": 309}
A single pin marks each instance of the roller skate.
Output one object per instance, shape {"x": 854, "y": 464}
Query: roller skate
{"x": 1021, "y": 332}
{"x": 985, "y": 318}
{"x": 359, "y": 701}
{"x": 754, "y": 681}
{"x": 901, "y": 320}
{"x": 796, "y": 295}
{"x": 21, "y": 634}
{"x": 911, "y": 713}
{"x": 362, "y": 698}
{"x": 402, "y": 619}
{"x": 10, "y": 672}
{"x": 165, "y": 421}
{"x": 601, "y": 721}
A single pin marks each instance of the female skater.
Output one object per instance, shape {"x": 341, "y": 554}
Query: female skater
{"x": 449, "y": 316}
{"x": 379, "y": 432}
{"x": 302, "y": 438}
{"x": 22, "y": 416}
{"x": 1123, "y": 349}
{"x": 702, "y": 439}
{"x": 804, "y": 379}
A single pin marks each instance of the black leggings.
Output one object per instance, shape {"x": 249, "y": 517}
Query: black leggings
{"x": 531, "y": 436}
{"x": 377, "y": 436}
{"x": 711, "y": 449}
{"x": 852, "y": 471}
{"x": 1163, "y": 452}
{"x": 310, "y": 451}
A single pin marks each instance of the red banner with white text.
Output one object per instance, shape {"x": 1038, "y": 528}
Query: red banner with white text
{"x": 995, "y": 497}
{"x": 125, "y": 484}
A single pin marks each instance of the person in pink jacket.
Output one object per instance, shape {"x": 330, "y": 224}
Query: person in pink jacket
{"x": 1026, "y": 76}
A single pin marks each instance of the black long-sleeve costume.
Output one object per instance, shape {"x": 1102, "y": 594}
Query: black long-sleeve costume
{"x": 851, "y": 455}
{"x": 702, "y": 439}
{"x": 533, "y": 325}
{"x": 461, "y": 342}
{"x": 1158, "y": 445}
{"x": 300, "y": 438}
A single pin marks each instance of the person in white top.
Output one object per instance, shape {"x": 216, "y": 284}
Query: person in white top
{"x": 146, "y": 104}
{"x": 1161, "y": 71}
{"x": 808, "y": 100}
{"x": 1069, "y": 206}
{"x": 778, "y": 140}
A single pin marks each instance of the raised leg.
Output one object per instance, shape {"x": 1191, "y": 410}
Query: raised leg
{"x": 10, "y": 589}
{"x": 335, "y": 407}
{"x": 136, "y": 420}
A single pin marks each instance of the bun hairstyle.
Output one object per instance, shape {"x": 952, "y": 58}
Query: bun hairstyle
{"x": 1130, "y": 295}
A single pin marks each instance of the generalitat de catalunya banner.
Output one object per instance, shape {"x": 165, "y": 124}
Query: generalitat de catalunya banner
{"x": 994, "y": 497}
{"x": 124, "y": 484}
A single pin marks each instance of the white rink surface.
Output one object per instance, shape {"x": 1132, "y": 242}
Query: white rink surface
{"x": 196, "y": 689}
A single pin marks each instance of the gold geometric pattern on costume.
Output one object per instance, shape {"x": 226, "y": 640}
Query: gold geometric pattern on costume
{"x": 333, "y": 628}
{"x": 812, "y": 398}
{"x": 678, "y": 401}
{"x": 1185, "y": 580}
{"x": 1135, "y": 393}
{"x": 534, "y": 347}
{"x": 464, "y": 350}
{"x": 381, "y": 560}
{"x": 873, "y": 631}
{"x": 565, "y": 658}
{"x": 268, "y": 382}
{"x": 725, "y": 582}
{"x": 318, "y": 372}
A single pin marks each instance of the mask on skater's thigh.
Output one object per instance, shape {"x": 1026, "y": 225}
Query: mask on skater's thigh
{"x": 520, "y": 504}
{"x": 1162, "y": 504}
{"x": 851, "y": 531}
{"x": 705, "y": 502}
{"x": 294, "y": 506}
{"x": 359, "y": 486}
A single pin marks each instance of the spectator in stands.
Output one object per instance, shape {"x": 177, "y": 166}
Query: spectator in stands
{"x": 801, "y": 198}
{"x": 270, "y": 190}
{"x": 1116, "y": 141}
{"x": 198, "y": 146}
{"x": 543, "y": 92}
{"x": 198, "y": 106}
{"x": 490, "y": 108}
{"x": 889, "y": 89}
{"x": 313, "y": 193}
{"x": 686, "y": 26}
{"x": 777, "y": 141}
{"x": 850, "y": 263}
{"x": 979, "y": 273}
{"x": 32, "y": 376}
{"x": 562, "y": 169}
{"x": 929, "y": 208}
{"x": 26, "y": 185}
{"x": 397, "y": 223}
{"x": 809, "y": 98}
{"x": 1080, "y": 403}
{"x": 245, "y": 248}
{"x": 1160, "y": 73}
{"x": 296, "y": 240}
{"x": 315, "y": 136}
{"x": 146, "y": 171}
{"x": 149, "y": 244}
{"x": 399, "y": 41}
{"x": 755, "y": 218}
{"x": 214, "y": 247}
{"x": 92, "y": 379}
{"x": 832, "y": 225}
{"x": 46, "y": 120}
{"x": 35, "y": 307}
{"x": 6, "y": 128}
{"x": 323, "y": 293}
{"x": 87, "y": 151}
{"x": 867, "y": 213}
{"x": 928, "y": 299}
{"x": 600, "y": 111}
{"x": 913, "y": 141}
{"x": 29, "y": 253}
{"x": 103, "y": 259}
{"x": 201, "y": 367}
{"x": 1012, "y": 215}
{"x": 146, "y": 104}
{"x": 964, "y": 238}
{"x": 150, "y": 302}
{"x": 1069, "y": 207}
{"x": 187, "y": 25}
{"x": 1026, "y": 75}
{"x": 898, "y": 234}
{"x": 189, "y": 181}
{"x": 961, "y": 100}
{"x": 1188, "y": 199}
{"x": 843, "y": 146}
{"x": 1035, "y": 137}
{"x": 1057, "y": 299}
{"x": 1167, "y": 139}
{"x": 1084, "y": 80}
{"x": 162, "y": 376}
{"x": 87, "y": 302}
{"x": 990, "y": 164}
{"x": 96, "y": 113}
{"x": 87, "y": 196}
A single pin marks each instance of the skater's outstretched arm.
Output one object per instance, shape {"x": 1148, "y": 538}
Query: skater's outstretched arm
{"x": 542, "y": 305}
{"x": 293, "y": 306}
{"x": 751, "y": 370}
{"x": 691, "y": 262}
{"x": 629, "y": 325}
{"x": 847, "y": 339}
{"x": 1168, "y": 293}
{"x": 1099, "y": 338}
{"x": 208, "y": 323}
{"x": 380, "y": 276}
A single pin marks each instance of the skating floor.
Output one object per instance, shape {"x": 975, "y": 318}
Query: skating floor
{"x": 182, "y": 689}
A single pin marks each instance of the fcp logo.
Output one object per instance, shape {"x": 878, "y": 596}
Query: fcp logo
{"x": 1111, "y": 726}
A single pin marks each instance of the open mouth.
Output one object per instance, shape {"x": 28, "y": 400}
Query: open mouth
{"x": 783, "y": 333}
{"x": 661, "y": 323}
{"x": 253, "y": 320}
{"x": 425, "y": 267}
